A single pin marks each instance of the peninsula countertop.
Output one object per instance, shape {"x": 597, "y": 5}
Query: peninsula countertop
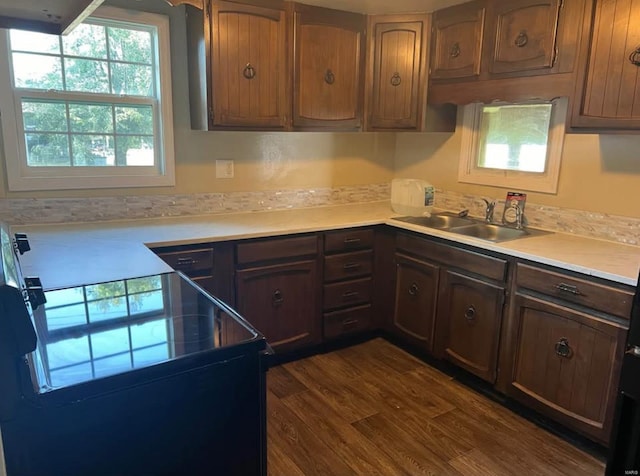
{"x": 71, "y": 254}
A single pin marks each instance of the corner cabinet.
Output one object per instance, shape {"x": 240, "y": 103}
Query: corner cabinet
{"x": 608, "y": 96}
{"x": 328, "y": 73}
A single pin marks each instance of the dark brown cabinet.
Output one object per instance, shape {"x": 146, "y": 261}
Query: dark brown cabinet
{"x": 329, "y": 53}
{"x": 397, "y": 57}
{"x": 469, "y": 320}
{"x": 565, "y": 356}
{"x": 348, "y": 282}
{"x": 523, "y": 35}
{"x": 277, "y": 289}
{"x": 608, "y": 97}
{"x": 457, "y": 41}
{"x": 416, "y": 298}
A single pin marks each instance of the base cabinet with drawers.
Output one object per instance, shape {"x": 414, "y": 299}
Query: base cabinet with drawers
{"x": 276, "y": 289}
{"x": 567, "y": 343}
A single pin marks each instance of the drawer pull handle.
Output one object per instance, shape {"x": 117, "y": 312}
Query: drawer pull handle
{"x": 349, "y": 323}
{"x": 351, "y": 266}
{"x": 186, "y": 261}
{"x": 352, "y": 241}
{"x": 249, "y": 72}
{"x": 413, "y": 289}
{"x": 563, "y": 349}
{"x": 277, "y": 298}
{"x": 470, "y": 313}
{"x": 350, "y": 294}
{"x": 568, "y": 288}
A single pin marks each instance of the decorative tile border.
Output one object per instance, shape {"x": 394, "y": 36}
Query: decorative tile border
{"x": 20, "y": 211}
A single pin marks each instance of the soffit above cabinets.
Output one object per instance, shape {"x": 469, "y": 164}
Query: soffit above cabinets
{"x": 46, "y": 16}
{"x": 385, "y": 6}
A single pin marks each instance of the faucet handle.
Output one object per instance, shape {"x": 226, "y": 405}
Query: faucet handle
{"x": 488, "y": 216}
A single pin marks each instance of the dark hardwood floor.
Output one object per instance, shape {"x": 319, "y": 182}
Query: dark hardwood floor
{"x": 374, "y": 409}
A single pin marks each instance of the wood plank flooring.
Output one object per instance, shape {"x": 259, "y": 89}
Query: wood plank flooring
{"x": 373, "y": 409}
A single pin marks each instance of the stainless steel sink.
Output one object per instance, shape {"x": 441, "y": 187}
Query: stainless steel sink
{"x": 495, "y": 233}
{"x": 440, "y": 221}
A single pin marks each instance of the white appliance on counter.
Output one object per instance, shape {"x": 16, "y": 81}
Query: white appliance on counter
{"x": 412, "y": 197}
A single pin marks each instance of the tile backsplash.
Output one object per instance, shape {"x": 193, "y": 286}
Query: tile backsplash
{"x": 63, "y": 210}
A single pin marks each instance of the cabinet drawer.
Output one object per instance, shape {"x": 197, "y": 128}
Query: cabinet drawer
{"x": 264, "y": 250}
{"x": 192, "y": 263}
{"x": 347, "y": 293}
{"x": 592, "y": 295}
{"x": 348, "y": 321}
{"x": 470, "y": 261}
{"x": 349, "y": 265}
{"x": 348, "y": 240}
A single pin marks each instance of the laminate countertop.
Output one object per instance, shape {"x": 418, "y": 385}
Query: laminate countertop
{"x": 73, "y": 254}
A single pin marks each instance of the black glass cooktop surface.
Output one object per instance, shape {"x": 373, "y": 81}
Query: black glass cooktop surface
{"x": 94, "y": 331}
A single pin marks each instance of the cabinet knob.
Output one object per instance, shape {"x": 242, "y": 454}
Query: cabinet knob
{"x": 522, "y": 39}
{"x": 249, "y": 71}
{"x": 470, "y": 313}
{"x": 455, "y": 51}
{"x": 396, "y": 79}
{"x": 563, "y": 349}
{"x": 277, "y": 298}
{"x": 634, "y": 57}
{"x": 329, "y": 77}
{"x": 413, "y": 289}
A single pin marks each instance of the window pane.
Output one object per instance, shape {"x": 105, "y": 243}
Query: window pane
{"x": 112, "y": 365}
{"x": 91, "y": 118}
{"x": 132, "y": 80}
{"x": 146, "y": 302}
{"x": 105, "y": 290}
{"x": 86, "y": 40}
{"x": 37, "y": 71}
{"x": 149, "y": 333}
{"x": 50, "y": 150}
{"x": 34, "y": 42}
{"x": 86, "y": 75}
{"x": 44, "y": 116}
{"x": 71, "y": 375}
{"x": 514, "y": 137}
{"x": 130, "y": 45}
{"x": 92, "y": 150}
{"x": 108, "y": 343}
{"x": 107, "y": 309}
{"x": 68, "y": 352}
{"x": 67, "y": 316}
{"x": 150, "y": 355}
{"x": 134, "y": 120}
{"x": 134, "y": 150}
{"x": 148, "y": 283}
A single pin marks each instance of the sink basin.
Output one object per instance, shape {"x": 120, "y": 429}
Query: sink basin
{"x": 495, "y": 233}
{"x": 441, "y": 221}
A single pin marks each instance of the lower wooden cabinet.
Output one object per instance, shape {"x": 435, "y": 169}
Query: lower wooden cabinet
{"x": 566, "y": 364}
{"x": 468, "y": 324}
{"x": 416, "y": 295}
{"x": 281, "y": 301}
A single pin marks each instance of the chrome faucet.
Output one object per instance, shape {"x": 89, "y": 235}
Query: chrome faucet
{"x": 488, "y": 212}
{"x": 519, "y": 218}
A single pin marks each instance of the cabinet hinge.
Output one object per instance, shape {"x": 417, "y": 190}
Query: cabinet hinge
{"x": 208, "y": 9}
{"x": 561, "y": 4}
{"x": 555, "y": 57}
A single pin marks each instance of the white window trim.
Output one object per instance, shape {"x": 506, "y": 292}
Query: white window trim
{"x": 546, "y": 182}
{"x": 22, "y": 178}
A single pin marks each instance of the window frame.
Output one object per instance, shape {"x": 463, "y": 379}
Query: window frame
{"x": 545, "y": 182}
{"x": 21, "y": 177}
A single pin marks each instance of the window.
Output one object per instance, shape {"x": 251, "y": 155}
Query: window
{"x": 513, "y": 145}
{"x": 91, "y": 109}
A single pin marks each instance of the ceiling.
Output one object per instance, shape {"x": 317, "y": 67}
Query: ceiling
{"x": 51, "y": 16}
{"x": 385, "y": 6}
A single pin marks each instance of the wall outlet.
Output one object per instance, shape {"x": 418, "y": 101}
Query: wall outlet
{"x": 224, "y": 168}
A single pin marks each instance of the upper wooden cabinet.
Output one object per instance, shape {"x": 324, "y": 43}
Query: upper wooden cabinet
{"x": 248, "y": 66}
{"x": 523, "y": 35}
{"x": 457, "y": 41}
{"x": 503, "y": 50}
{"x": 328, "y": 68}
{"x": 608, "y": 96}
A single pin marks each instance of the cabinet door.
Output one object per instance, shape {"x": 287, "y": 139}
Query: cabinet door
{"x": 249, "y": 66}
{"x": 329, "y": 59}
{"x": 524, "y": 34}
{"x": 399, "y": 76}
{"x": 567, "y": 364}
{"x": 468, "y": 323}
{"x": 611, "y": 97}
{"x": 281, "y": 301}
{"x": 457, "y": 41}
{"x": 416, "y": 294}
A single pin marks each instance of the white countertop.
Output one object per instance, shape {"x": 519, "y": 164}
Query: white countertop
{"x": 73, "y": 254}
